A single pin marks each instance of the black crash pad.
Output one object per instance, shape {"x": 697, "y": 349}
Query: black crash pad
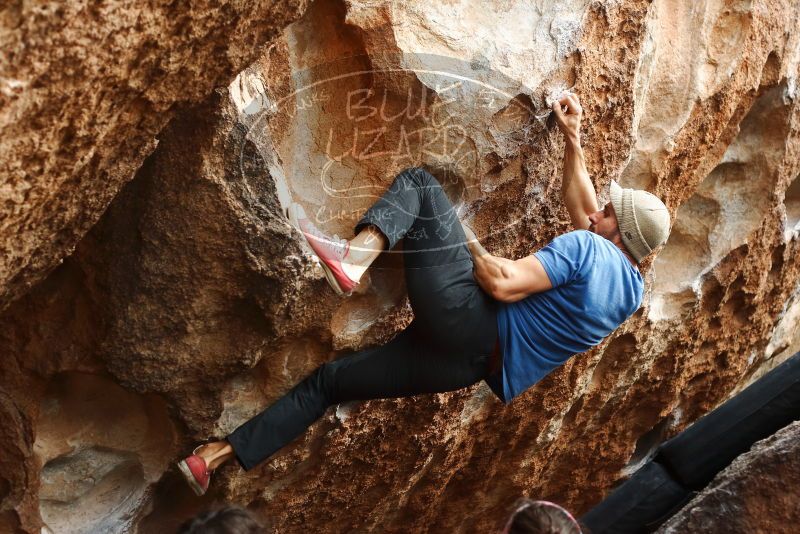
{"x": 640, "y": 504}
{"x": 697, "y": 454}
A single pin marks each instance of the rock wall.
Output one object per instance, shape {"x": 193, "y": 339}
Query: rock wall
{"x": 758, "y": 492}
{"x": 194, "y": 299}
{"x": 84, "y": 90}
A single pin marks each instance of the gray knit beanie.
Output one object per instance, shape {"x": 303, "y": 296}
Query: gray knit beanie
{"x": 643, "y": 220}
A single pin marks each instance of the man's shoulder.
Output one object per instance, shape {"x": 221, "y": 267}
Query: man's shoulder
{"x": 605, "y": 253}
{"x": 590, "y": 239}
{"x": 576, "y": 243}
{"x": 580, "y": 237}
{"x": 571, "y": 252}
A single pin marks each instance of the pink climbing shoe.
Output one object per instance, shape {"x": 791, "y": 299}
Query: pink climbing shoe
{"x": 194, "y": 470}
{"x": 330, "y": 250}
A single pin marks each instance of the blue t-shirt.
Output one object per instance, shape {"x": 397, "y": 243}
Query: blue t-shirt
{"x": 595, "y": 289}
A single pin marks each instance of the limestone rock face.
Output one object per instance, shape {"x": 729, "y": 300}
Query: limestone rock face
{"x": 102, "y": 449}
{"x": 195, "y": 300}
{"x": 758, "y": 492}
{"x": 84, "y": 90}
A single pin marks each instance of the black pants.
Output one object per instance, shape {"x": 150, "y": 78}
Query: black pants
{"x": 446, "y": 347}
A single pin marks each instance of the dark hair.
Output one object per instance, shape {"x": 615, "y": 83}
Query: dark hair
{"x": 226, "y": 520}
{"x": 540, "y": 517}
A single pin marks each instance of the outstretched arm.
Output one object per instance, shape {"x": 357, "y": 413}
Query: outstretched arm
{"x": 577, "y": 190}
{"x": 503, "y": 279}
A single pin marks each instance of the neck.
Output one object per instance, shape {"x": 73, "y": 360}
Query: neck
{"x": 629, "y": 256}
{"x": 617, "y": 240}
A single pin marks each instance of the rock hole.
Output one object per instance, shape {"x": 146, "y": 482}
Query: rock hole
{"x": 776, "y": 264}
{"x": 5, "y": 488}
{"x": 647, "y": 444}
{"x": 736, "y": 305}
{"x": 792, "y": 203}
{"x": 514, "y": 121}
{"x": 712, "y": 295}
{"x": 570, "y": 416}
{"x": 722, "y": 360}
{"x": 770, "y": 74}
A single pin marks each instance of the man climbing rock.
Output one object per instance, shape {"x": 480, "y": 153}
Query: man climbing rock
{"x": 476, "y": 316}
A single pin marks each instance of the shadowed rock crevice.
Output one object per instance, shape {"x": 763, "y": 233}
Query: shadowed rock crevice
{"x": 792, "y": 203}
{"x": 208, "y": 273}
{"x": 647, "y": 444}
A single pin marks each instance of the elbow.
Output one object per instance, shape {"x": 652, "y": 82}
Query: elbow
{"x": 497, "y": 295}
{"x": 489, "y": 286}
{"x": 508, "y": 298}
{"x": 492, "y": 288}
{"x": 505, "y": 299}
{"x": 503, "y": 287}
{"x": 497, "y": 284}
{"x": 500, "y": 292}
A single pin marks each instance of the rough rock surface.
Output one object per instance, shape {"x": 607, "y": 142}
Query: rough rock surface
{"x": 102, "y": 448}
{"x": 193, "y": 292}
{"x": 84, "y": 90}
{"x": 758, "y": 492}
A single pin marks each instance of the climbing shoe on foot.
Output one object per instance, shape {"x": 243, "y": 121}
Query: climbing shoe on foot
{"x": 329, "y": 250}
{"x": 194, "y": 470}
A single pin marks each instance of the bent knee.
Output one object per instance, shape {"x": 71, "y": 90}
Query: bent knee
{"x": 323, "y": 380}
{"x": 419, "y": 176}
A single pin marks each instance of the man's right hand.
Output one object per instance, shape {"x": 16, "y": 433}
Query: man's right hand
{"x": 577, "y": 189}
{"x": 569, "y": 121}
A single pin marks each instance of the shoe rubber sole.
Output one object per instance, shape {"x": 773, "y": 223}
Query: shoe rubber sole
{"x": 332, "y": 280}
{"x": 183, "y": 467}
{"x": 329, "y": 276}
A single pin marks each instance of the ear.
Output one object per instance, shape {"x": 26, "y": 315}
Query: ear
{"x": 616, "y": 235}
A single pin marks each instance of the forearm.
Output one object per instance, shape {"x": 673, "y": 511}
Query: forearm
{"x": 577, "y": 189}
{"x": 503, "y": 279}
{"x": 490, "y": 271}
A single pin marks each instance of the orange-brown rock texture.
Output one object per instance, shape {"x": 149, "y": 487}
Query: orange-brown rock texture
{"x": 85, "y": 87}
{"x": 191, "y": 303}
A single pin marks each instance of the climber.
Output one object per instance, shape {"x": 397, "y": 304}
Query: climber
{"x": 476, "y": 316}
